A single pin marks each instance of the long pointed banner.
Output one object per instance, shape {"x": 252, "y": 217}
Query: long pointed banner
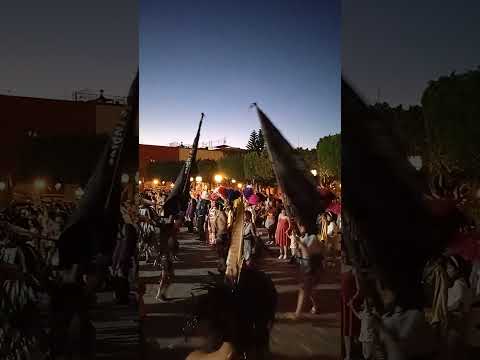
{"x": 93, "y": 227}
{"x": 292, "y": 176}
{"x": 178, "y": 197}
{"x": 386, "y": 219}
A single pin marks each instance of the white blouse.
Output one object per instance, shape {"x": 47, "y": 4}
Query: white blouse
{"x": 459, "y": 297}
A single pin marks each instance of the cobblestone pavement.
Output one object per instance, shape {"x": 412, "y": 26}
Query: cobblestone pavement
{"x": 316, "y": 337}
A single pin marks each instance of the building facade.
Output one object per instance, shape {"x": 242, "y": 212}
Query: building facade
{"x": 162, "y": 154}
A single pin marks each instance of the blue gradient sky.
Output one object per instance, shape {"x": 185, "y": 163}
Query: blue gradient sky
{"x": 218, "y": 56}
{"x": 398, "y": 46}
{"x": 51, "y": 48}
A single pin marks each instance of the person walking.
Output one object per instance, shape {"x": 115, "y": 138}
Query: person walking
{"x": 311, "y": 265}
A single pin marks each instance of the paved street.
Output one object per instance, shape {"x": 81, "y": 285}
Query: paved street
{"x": 117, "y": 329}
{"x": 317, "y": 337}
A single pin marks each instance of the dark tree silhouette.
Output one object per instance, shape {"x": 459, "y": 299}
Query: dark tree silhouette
{"x": 252, "y": 141}
{"x": 260, "y": 141}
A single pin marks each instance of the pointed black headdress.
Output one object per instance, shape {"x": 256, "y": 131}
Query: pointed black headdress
{"x": 93, "y": 227}
{"x": 178, "y": 198}
{"x": 294, "y": 179}
{"x": 387, "y": 222}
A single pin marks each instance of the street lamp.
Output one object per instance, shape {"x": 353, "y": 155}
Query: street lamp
{"x": 234, "y": 181}
{"x": 172, "y": 185}
{"x": 314, "y": 172}
{"x": 163, "y": 182}
{"x": 218, "y": 178}
{"x": 3, "y": 186}
{"x": 155, "y": 181}
{"x": 198, "y": 179}
{"x": 239, "y": 185}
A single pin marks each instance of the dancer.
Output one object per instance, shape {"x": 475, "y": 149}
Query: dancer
{"x": 164, "y": 233}
{"x": 311, "y": 265}
{"x": 211, "y": 223}
{"x": 201, "y": 214}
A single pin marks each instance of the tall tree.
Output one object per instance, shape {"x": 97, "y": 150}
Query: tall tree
{"x": 260, "y": 141}
{"x": 329, "y": 154}
{"x": 252, "y": 141}
{"x": 451, "y": 110}
{"x": 232, "y": 165}
{"x": 258, "y": 167}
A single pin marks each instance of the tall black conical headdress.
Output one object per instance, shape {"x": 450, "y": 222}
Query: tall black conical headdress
{"x": 93, "y": 227}
{"x": 178, "y": 198}
{"x": 292, "y": 175}
{"x": 387, "y": 223}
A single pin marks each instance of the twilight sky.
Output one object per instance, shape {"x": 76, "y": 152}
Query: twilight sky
{"x": 219, "y": 56}
{"x": 53, "y": 47}
{"x": 398, "y": 46}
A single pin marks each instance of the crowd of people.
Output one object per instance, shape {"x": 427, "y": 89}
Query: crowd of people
{"x": 267, "y": 226}
{"x": 438, "y": 323}
{"x": 30, "y": 230}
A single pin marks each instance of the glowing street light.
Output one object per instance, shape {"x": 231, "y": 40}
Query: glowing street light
{"x": 191, "y": 179}
{"x": 3, "y": 186}
{"x": 172, "y": 185}
{"x": 314, "y": 172}
{"x": 239, "y": 185}
{"x": 218, "y": 178}
{"x": 198, "y": 179}
{"x": 40, "y": 184}
{"x": 163, "y": 182}
{"x": 139, "y": 182}
{"x": 155, "y": 181}
{"x": 234, "y": 181}
{"x": 125, "y": 178}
